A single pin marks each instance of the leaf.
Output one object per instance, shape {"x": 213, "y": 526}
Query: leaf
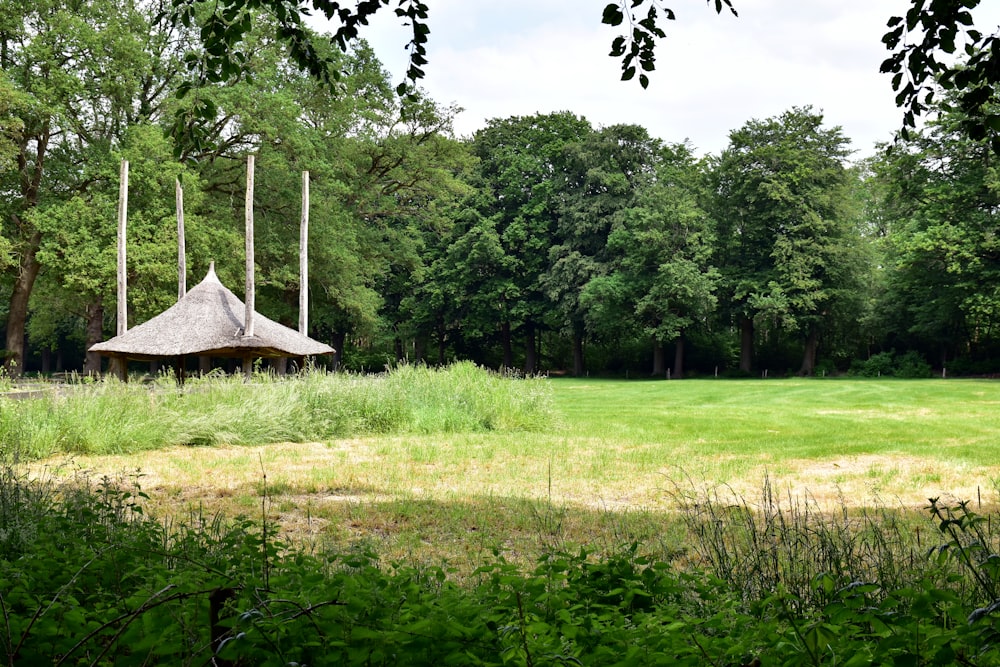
{"x": 612, "y": 15}
{"x": 629, "y": 73}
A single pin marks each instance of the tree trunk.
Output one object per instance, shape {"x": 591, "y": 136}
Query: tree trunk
{"x": 659, "y": 365}
{"x": 530, "y": 355}
{"x": 281, "y": 366}
{"x": 30, "y": 185}
{"x": 17, "y": 314}
{"x": 678, "y": 371}
{"x": 746, "y": 344}
{"x": 95, "y": 333}
{"x": 508, "y": 353}
{"x": 397, "y": 344}
{"x": 809, "y": 355}
{"x": 46, "y": 361}
{"x": 337, "y": 341}
{"x": 578, "y": 365}
{"x": 441, "y": 345}
{"x": 419, "y": 349}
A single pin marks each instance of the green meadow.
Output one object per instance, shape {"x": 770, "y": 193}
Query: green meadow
{"x": 449, "y": 465}
{"x": 457, "y": 516}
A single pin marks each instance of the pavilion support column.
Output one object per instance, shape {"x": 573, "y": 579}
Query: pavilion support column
{"x": 119, "y": 365}
{"x": 180, "y": 369}
{"x": 249, "y": 296}
{"x": 304, "y": 258}
{"x": 303, "y": 266}
{"x": 204, "y": 364}
{"x": 181, "y": 253}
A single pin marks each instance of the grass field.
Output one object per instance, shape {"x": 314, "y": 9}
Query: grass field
{"x": 432, "y": 516}
{"x": 612, "y": 468}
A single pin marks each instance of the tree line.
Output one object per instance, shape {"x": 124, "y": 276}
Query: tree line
{"x": 540, "y": 243}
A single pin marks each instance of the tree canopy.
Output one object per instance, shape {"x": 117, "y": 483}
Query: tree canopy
{"x": 542, "y": 242}
{"x": 922, "y": 45}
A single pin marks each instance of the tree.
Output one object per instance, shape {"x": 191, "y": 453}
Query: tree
{"x": 941, "y": 194}
{"x": 64, "y": 110}
{"x": 661, "y": 279}
{"x": 380, "y": 171}
{"x": 522, "y": 164}
{"x": 784, "y": 234}
{"x": 604, "y": 176}
{"x": 78, "y": 237}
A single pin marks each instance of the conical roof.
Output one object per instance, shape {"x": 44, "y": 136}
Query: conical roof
{"x": 208, "y": 320}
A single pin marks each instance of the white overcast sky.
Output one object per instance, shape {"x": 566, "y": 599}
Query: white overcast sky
{"x": 714, "y": 72}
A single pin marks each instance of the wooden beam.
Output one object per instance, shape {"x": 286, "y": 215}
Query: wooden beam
{"x": 248, "y": 323}
{"x": 304, "y": 259}
{"x": 122, "y": 269}
{"x": 181, "y": 252}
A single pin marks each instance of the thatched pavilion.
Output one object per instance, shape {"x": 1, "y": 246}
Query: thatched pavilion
{"x": 208, "y": 321}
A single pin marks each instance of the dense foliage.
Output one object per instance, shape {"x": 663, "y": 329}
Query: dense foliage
{"x": 86, "y": 578}
{"x": 540, "y": 243}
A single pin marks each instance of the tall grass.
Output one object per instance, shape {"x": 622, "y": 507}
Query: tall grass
{"x": 788, "y": 543}
{"x": 109, "y": 417}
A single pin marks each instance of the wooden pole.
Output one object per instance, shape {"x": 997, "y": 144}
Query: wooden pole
{"x": 304, "y": 259}
{"x": 248, "y": 324}
{"x": 181, "y": 253}
{"x": 122, "y": 274}
{"x": 119, "y": 365}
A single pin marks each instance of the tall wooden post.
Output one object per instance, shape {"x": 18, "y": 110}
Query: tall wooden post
{"x": 122, "y": 223}
{"x": 181, "y": 253}
{"x": 249, "y": 298}
{"x": 119, "y": 366}
{"x": 304, "y": 259}
{"x": 248, "y": 323}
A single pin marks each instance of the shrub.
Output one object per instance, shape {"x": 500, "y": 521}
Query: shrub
{"x": 98, "y": 582}
{"x": 877, "y": 365}
{"x": 912, "y": 365}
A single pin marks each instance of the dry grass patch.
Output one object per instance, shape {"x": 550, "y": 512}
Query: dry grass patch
{"x": 416, "y": 499}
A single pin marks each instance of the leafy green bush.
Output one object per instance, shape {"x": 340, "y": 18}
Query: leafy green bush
{"x": 877, "y": 365}
{"x": 912, "y": 365}
{"x": 884, "y": 364}
{"x": 825, "y": 368}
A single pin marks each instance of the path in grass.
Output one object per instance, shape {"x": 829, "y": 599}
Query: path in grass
{"x": 622, "y": 449}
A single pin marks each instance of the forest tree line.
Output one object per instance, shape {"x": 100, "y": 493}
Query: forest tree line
{"x": 540, "y": 243}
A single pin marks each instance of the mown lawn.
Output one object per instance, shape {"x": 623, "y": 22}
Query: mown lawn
{"x": 614, "y": 463}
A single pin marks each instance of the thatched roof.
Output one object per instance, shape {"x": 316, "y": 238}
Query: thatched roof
{"x": 208, "y": 320}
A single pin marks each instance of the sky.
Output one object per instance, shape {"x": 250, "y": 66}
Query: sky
{"x": 714, "y": 72}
